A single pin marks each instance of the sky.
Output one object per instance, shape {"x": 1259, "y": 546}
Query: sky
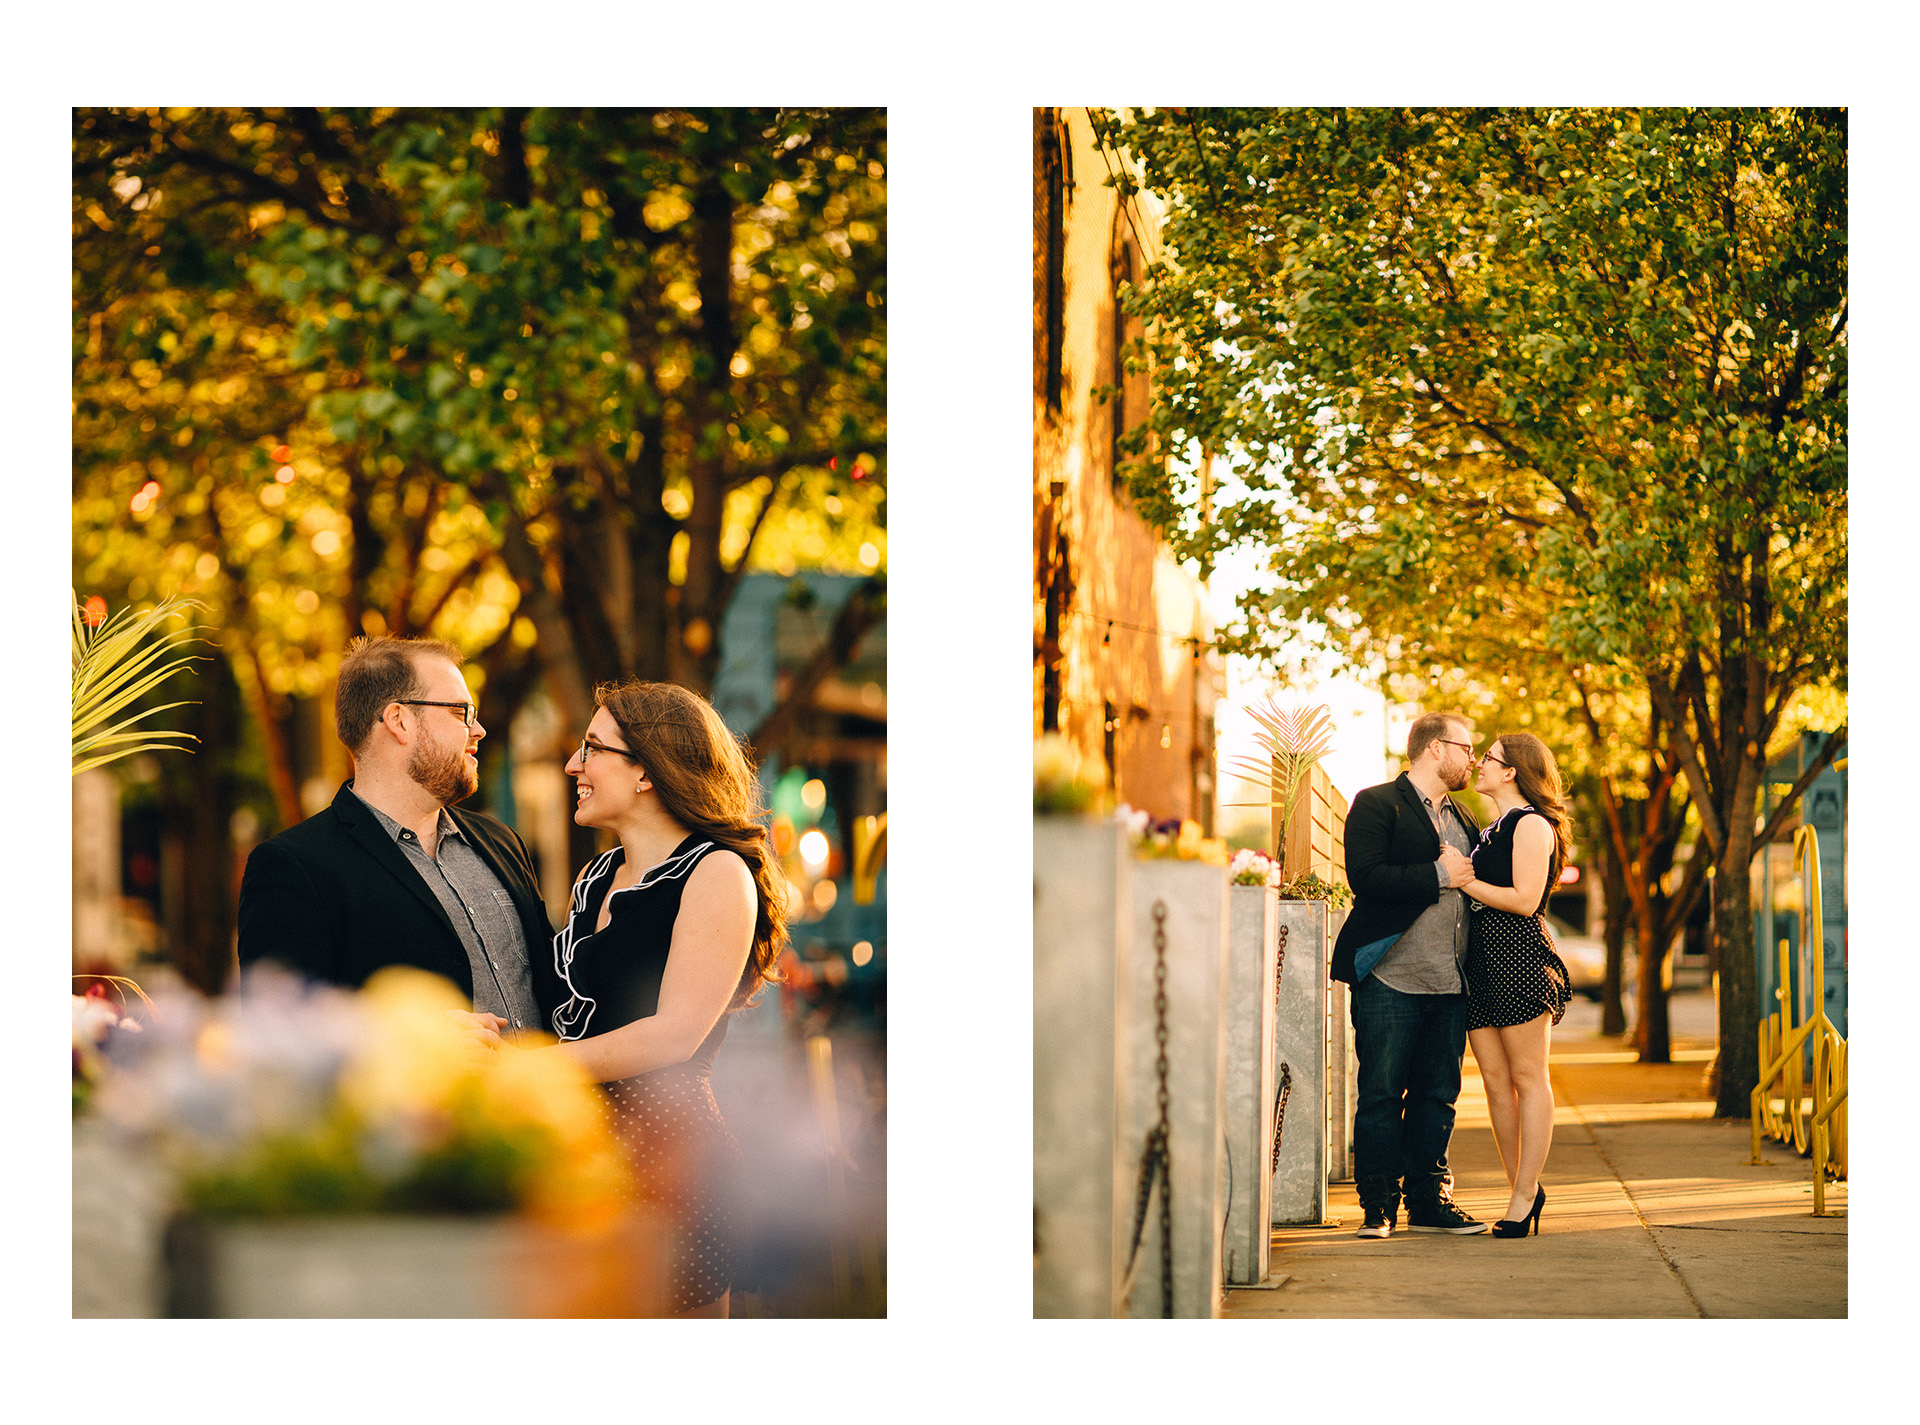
{"x": 1362, "y": 725}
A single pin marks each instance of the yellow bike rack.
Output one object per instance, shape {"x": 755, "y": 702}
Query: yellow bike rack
{"x": 1821, "y": 1130}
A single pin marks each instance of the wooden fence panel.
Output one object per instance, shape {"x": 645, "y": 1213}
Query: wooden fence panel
{"x": 1317, "y": 839}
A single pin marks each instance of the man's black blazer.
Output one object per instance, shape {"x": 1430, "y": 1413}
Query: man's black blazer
{"x": 335, "y": 899}
{"x": 1391, "y": 848}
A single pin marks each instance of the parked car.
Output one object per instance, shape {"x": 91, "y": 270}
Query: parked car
{"x": 1585, "y": 957}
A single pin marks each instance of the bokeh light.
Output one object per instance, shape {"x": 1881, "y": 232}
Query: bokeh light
{"x": 813, "y": 849}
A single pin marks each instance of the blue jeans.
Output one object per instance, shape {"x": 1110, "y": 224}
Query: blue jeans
{"x": 1409, "y": 1049}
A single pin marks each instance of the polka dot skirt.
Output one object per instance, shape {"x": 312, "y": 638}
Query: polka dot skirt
{"x": 682, "y": 1153}
{"x": 1513, "y": 972}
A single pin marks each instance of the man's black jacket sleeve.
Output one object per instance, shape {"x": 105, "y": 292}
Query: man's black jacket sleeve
{"x": 1373, "y": 876}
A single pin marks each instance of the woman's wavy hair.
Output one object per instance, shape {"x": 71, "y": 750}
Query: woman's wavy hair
{"x": 705, "y": 781}
{"x": 1537, "y": 777}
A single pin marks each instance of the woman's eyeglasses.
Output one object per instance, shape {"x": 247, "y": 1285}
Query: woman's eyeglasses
{"x": 588, "y": 747}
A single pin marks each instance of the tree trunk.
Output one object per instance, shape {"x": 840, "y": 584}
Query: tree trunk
{"x": 273, "y": 742}
{"x": 1613, "y": 891}
{"x": 1651, "y": 1036}
{"x": 567, "y": 681}
{"x": 205, "y": 955}
{"x": 1739, "y": 1061}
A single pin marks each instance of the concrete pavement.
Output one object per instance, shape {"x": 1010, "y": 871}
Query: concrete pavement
{"x": 1652, "y": 1210}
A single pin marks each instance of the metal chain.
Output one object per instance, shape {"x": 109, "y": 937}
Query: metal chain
{"x": 1279, "y": 965}
{"x": 1156, "y": 1160}
{"x": 1286, "y": 1071}
{"x": 1280, "y": 1113}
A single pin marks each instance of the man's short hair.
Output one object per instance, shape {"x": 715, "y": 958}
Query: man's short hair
{"x": 1430, "y": 728}
{"x": 375, "y": 672}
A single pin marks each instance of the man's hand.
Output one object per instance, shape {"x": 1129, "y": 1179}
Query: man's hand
{"x": 1458, "y": 868}
{"x": 484, "y": 1028}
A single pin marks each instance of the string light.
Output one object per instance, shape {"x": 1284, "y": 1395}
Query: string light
{"x": 1106, "y": 640}
{"x": 1166, "y": 717}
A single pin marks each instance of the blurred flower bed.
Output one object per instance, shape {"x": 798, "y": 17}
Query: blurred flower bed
{"x": 1171, "y": 840}
{"x": 1064, "y": 781}
{"x": 288, "y": 1100}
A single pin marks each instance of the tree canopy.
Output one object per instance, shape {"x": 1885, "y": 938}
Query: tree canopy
{"x": 1494, "y": 384}
{"x": 601, "y": 355}
{"x": 547, "y": 383}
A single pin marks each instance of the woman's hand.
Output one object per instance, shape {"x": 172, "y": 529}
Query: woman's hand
{"x": 483, "y": 1028}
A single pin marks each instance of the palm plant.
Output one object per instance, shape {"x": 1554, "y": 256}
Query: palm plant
{"x": 116, "y": 662}
{"x": 1293, "y": 741}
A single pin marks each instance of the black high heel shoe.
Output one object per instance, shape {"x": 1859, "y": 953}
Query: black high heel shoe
{"x": 1531, "y": 1221}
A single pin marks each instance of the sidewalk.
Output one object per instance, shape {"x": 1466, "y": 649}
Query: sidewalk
{"x": 1652, "y": 1210}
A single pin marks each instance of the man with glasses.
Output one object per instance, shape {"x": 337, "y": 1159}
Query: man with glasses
{"x": 393, "y": 873}
{"x": 1404, "y": 952}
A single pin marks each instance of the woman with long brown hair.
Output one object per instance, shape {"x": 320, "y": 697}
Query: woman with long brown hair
{"x": 1517, "y": 986}
{"x": 669, "y": 931}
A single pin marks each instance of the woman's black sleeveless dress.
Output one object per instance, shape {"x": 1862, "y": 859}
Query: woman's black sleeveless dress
{"x": 1513, "y": 972}
{"x": 680, "y": 1148}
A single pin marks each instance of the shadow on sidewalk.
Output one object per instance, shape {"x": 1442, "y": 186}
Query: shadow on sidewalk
{"x": 1654, "y": 1210}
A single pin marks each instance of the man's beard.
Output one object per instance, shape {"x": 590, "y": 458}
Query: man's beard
{"x": 1458, "y": 782}
{"x": 442, "y": 773}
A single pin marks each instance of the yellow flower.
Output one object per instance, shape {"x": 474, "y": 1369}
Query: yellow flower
{"x": 523, "y": 1085}
{"x": 1056, "y": 761}
{"x": 414, "y": 1058}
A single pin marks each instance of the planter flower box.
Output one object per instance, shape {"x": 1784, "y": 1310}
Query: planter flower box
{"x": 404, "y": 1267}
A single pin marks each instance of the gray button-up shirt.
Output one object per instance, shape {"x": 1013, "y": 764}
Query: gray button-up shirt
{"x": 1431, "y": 957}
{"x": 482, "y": 913}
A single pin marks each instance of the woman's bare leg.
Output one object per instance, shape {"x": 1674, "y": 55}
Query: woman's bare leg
{"x": 1502, "y": 1108}
{"x": 1525, "y": 1047}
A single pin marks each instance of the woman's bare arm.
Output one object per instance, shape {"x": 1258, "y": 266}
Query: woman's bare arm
{"x": 1533, "y": 841}
{"x": 711, "y": 938}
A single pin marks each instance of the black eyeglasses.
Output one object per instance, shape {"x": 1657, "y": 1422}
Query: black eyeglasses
{"x": 1491, "y": 758}
{"x": 588, "y": 747}
{"x": 468, "y": 711}
{"x": 1466, "y": 747}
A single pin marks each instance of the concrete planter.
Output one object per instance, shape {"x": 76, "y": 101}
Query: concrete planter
{"x": 129, "y": 1260}
{"x": 1082, "y": 1188}
{"x": 1249, "y": 1008}
{"x": 408, "y": 1267}
{"x": 1300, "y": 1165}
{"x": 120, "y": 1204}
{"x": 1194, "y": 896}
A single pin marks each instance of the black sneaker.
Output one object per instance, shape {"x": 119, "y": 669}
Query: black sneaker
{"x": 1379, "y": 1223}
{"x": 1440, "y": 1215}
